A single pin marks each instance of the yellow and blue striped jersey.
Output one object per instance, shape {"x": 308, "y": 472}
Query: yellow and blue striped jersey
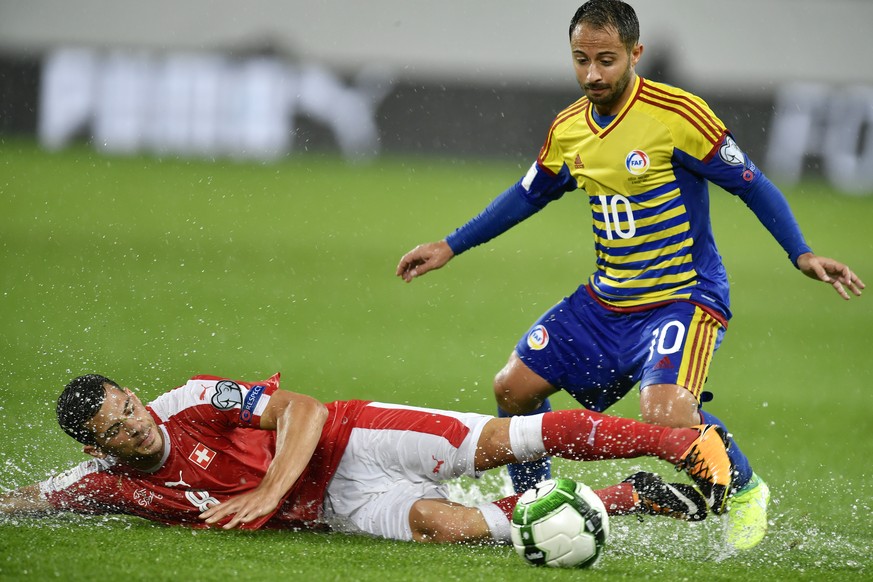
{"x": 645, "y": 172}
{"x": 650, "y": 213}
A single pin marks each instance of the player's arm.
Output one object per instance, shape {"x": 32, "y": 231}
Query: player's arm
{"x": 24, "y": 501}
{"x": 772, "y": 209}
{"x": 298, "y": 421}
{"x": 731, "y": 169}
{"x": 516, "y": 204}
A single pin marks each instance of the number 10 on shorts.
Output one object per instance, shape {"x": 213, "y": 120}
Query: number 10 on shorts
{"x": 667, "y": 339}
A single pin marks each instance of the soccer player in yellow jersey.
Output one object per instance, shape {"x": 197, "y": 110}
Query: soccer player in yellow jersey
{"x": 656, "y": 308}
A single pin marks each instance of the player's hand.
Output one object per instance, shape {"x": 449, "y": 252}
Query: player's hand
{"x": 244, "y": 508}
{"x": 839, "y": 276}
{"x": 424, "y": 258}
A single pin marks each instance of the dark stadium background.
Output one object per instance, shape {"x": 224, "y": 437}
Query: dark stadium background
{"x": 151, "y": 265}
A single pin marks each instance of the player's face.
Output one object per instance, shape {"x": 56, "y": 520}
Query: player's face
{"x": 125, "y": 429}
{"x": 604, "y": 69}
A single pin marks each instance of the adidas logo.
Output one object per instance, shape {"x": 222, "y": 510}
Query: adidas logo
{"x": 664, "y": 364}
{"x": 578, "y": 162}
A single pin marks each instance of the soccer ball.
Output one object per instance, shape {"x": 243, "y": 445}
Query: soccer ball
{"x": 560, "y": 523}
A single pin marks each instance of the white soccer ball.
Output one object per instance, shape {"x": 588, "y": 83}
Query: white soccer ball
{"x": 560, "y": 523}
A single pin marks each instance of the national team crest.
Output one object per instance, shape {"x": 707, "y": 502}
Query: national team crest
{"x": 202, "y": 456}
{"x": 637, "y": 162}
{"x": 538, "y": 338}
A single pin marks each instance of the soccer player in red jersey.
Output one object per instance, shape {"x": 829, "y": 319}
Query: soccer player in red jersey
{"x": 233, "y": 454}
{"x": 657, "y": 305}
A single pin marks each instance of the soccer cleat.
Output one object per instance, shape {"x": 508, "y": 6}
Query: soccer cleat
{"x": 676, "y": 500}
{"x": 707, "y": 463}
{"x": 747, "y": 514}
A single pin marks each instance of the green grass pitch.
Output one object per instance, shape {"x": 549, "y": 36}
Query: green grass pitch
{"x": 150, "y": 271}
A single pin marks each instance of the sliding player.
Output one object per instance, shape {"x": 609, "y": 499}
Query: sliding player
{"x": 220, "y": 452}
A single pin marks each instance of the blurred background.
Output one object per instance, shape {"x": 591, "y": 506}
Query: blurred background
{"x": 791, "y": 78}
{"x": 226, "y": 188}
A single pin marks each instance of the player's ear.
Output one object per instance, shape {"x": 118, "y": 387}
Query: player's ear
{"x": 93, "y": 451}
{"x": 636, "y": 53}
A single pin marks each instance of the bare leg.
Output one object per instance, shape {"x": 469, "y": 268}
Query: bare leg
{"x": 493, "y": 449}
{"x": 674, "y": 406}
{"x": 669, "y": 405}
{"x": 443, "y": 521}
{"x": 518, "y": 389}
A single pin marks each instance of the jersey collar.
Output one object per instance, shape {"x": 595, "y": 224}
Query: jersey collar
{"x": 602, "y": 132}
{"x": 166, "y": 452}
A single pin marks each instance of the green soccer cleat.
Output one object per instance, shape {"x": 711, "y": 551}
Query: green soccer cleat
{"x": 747, "y": 515}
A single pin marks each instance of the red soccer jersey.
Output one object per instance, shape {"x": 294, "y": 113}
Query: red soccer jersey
{"x": 213, "y": 450}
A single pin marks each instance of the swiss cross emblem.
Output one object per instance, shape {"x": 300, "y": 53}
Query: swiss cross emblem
{"x": 201, "y": 455}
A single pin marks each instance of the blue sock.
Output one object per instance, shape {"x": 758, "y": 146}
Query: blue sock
{"x": 741, "y": 462}
{"x": 526, "y": 475}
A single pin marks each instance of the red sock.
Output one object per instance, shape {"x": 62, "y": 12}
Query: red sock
{"x": 507, "y": 504}
{"x": 618, "y": 499}
{"x": 583, "y": 435}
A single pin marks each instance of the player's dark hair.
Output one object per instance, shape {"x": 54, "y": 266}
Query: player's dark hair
{"x": 609, "y": 14}
{"x": 79, "y": 402}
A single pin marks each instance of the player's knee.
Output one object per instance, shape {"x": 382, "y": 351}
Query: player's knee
{"x": 507, "y": 398}
{"x": 518, "y": 389}
{"x": 669, "y": 405}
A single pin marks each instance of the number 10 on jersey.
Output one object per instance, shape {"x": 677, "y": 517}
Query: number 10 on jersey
{"x": 612, "y": 220}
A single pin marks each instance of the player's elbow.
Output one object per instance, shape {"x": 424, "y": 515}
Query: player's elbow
{"x": 321, "y": 413}
{"x": 312, "y": 409}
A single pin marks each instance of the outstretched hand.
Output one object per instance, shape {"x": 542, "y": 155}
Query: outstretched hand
{"x": 839, "y": 276}
{"x": 424, "y": 258}
{"x": 244, "y": 508}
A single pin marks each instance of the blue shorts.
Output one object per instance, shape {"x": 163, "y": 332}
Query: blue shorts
{"x": 597, "y": 354}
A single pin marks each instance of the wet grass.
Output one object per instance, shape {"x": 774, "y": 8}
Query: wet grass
{"x": 150, "y": 271}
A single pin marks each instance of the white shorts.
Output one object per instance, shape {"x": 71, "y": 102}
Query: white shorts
{"x": 397, "y": 455}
